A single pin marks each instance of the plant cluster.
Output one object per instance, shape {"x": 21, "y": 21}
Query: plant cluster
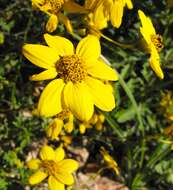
{"x": 101, "y": 72}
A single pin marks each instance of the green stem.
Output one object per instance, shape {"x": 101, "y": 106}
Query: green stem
{"x": 134, "y": 103}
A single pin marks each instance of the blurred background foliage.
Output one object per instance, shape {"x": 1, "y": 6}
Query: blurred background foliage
{"x": 133, "y": 132}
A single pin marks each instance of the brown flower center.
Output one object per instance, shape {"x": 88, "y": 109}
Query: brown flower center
{"x": 157, "y": 41}
{"x": 55, "y": 5}
{"x": 70, "y": 68}
{"x": 50, "y": 167}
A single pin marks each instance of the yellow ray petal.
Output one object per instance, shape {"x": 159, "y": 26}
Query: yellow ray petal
{"x": 102, "y": 95}
{"x": 40, "y": 55}
{"x": 65, "y": 178}
{"x": 33, "y": 164}
{"x": 68, "y": 165}
{"x": 50, "y": 100}
{"x": 89, "y": 49}
{"x": 54, "y": 128}
{"x": 47, "y": 153}
{"x": 54, "y": 184}
{"x": 103, "y": 71}
{"x": 129, "y": 4}
{"x": 37, "y": 177}
{"x": 78, "y": 99}
{"x": 72, "y": 7}
{"x": 45, "y": 75}
{"x": 100, "y": 21}
{"x": 155, "y": 62}
{"x": 52, "y": 23}
{"x": 117, "y": 13}
{"x": 146, "y": 23}
{"x": 60, "y": 44}
{"x": 59, "y": 154}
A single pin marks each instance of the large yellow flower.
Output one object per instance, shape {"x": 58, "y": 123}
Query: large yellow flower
{"x": 54, "y": 9}
{"x": 54, "y": 166}
{"x": 103, "y": 11}
{"x": 80, "y": 74}
{"x": 154, "y": 43}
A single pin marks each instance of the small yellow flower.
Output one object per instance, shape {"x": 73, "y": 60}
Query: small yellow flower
{"x": 97, "y": 120}
{"x": 65, "y": 139}
{"x": 80, "y": 74}
{"x": 96, "y": 19}
{"x": 109, "y": 161}
{"x": 54, "y": 128}
{"x": 54, "y": 166}
{"x": 154, "y": 43}
{"x": 103, "y": 11}
{"x": 84, "y": 126}
{"x": 64, "y": 119}
{"x": 69, "y": 126}
{"x": 54, "y": 8}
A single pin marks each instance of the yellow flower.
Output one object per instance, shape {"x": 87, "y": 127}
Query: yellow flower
{"x": 65, "y": 139}
{"x": 54, "y": 8}
{"x": 63, "y": 119}
{"x": 54, "y": 128}
{"x": 104, "y": 10}
{"x": 97, "y": 120}
{"x": 154, "y": 43}
{"x": 53, "y": 165}
{"x": 78, "y": 86}
{"x": 96, "y": 19}
{"x": 109, "y": 160}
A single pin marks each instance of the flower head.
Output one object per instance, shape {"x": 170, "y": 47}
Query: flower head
{"x": 97, "y": 120}
{"x": 103, "y": 11}
{"x": 53, "y": 165}
{"x": 154, "y": 43}
{"x": 109, "y": 160}
{"x": 79, "y": 76}
{"x": 63, "y": 120}
{"x": 54, "y": 8}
